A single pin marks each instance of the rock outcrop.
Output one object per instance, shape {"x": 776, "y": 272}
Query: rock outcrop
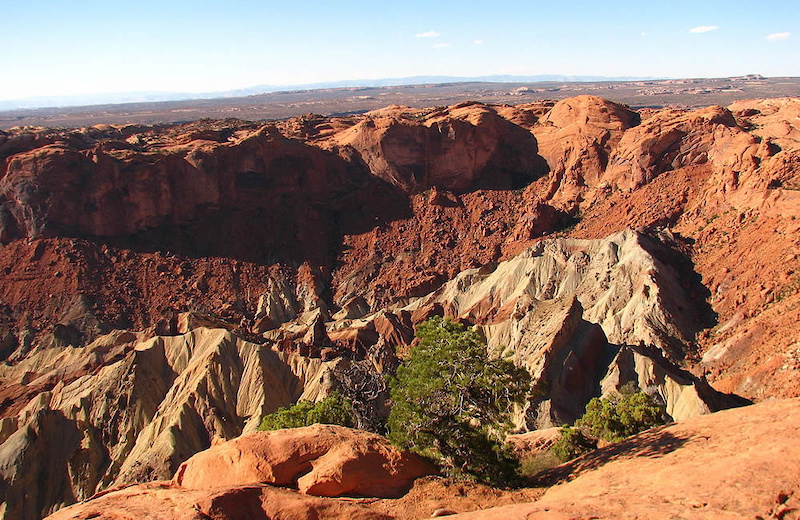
{"x": 576, "y": 137}
{"x": 732, "y": 464}
{"x": 458, "y": 148}
{"x": 167, "y": 501}
{"x": 240, "y": 479}
{"x": 666, "y": 141}
{"x": 321, "y": 460}
{"x": 567, "y": 310}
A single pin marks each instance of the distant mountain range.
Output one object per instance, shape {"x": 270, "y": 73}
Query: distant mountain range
{"x": 144, "y": 97}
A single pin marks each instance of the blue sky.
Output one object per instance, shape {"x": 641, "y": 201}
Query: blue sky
{"x": 67, "y": 47}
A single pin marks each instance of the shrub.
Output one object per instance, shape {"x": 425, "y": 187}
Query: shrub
{"x": 535, "y": 464}
{"x": 611, "y": 419}
{"x": 617, "y": 417}
{"x": 451, "y": 402}
{"x": 571, "y": 444}
{"x": 334, "y": 409}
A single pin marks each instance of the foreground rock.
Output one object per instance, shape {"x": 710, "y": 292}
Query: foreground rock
{"x": 733, "y": 464}
{"x": 322, "y": 460}
{"x": 235, "y": 479}
{"x": 165, "y": 501}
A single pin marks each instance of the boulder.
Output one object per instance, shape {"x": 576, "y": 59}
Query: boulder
{"x": 322, "y": 460}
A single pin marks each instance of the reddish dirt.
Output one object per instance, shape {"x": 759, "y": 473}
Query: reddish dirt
{"x": 124, "y": 288}
{"x": 446, "y": 234}
{"x": 431, "y": 494}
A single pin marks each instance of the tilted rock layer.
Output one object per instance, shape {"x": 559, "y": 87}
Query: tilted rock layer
{"x": 140, "y": 417}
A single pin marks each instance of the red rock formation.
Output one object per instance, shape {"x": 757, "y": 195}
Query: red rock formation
{"x": 322, "y": 460}
{"x": 459, "y": 148}
{"x": 734, "y": 464}
{"x": 576, "y": 137}
{"x": 666, "y": 141}
{"x": 165, "y": 500}
{"x": 192, "y": 190}
{"x": 271, "y": 229}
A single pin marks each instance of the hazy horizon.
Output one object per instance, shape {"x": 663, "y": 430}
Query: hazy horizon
{"x": 93, "y": 48}
{"x": 112, "y": 98}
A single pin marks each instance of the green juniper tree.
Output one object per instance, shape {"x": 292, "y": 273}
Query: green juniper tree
{"x": 451, "y": 402}
{"x": 616, "y": 417}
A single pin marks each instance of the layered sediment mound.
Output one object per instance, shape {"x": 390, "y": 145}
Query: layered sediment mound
{"x": 578, "y": 312}
{"x": 142, "y": 413}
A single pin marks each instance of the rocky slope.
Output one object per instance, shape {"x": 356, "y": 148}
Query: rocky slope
{"x": 733, "y": 464}
{"x": 578, "y": 314}
{"x": 161, "y": 288}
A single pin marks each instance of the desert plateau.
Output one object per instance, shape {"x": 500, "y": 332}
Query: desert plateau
{"x": 164, "y": 288}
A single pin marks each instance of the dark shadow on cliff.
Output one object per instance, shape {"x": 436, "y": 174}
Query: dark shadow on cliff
{"x": 696, "y": 313}
{"x": 288, "y": 228}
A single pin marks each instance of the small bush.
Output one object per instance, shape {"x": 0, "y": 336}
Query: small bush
{"x": 334, "y": 409}
{"x": 534, "y": 464}
{"x": 572, "y": 444}
{"x": 615, "y": 418}
{"x": 611, "y": 419}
